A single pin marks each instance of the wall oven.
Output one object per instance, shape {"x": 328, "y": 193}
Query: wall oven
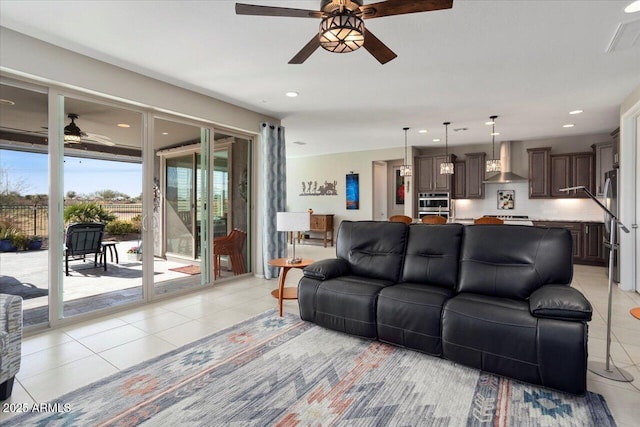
{"x": 433, "y": 204}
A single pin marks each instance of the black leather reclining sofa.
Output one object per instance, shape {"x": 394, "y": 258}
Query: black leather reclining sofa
{"x": 493, "y": 297}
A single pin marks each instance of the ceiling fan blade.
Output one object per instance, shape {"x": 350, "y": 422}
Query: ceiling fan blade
{"x": 95, "y": 137}
{"x": 252, "y": 9}
{"x": 306, "y": 51}
{"x": 379, "y": 50}
{"x": 401, "y": 7}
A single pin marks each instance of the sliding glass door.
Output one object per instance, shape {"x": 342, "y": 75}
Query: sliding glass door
{"x": 103, "y": 207}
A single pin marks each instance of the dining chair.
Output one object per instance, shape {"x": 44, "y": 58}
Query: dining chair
{"x": 434, "y": 219}
{"x": 488, "y": 220}
{"x": 401, "y": 218}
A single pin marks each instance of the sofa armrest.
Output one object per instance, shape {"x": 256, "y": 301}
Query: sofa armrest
{"x": 327, "y": 269}
{"x": 11, "y": 325}
{"x": 559, "y": 302}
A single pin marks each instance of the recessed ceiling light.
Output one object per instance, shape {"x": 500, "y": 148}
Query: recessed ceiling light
{"x": 422, "y": 131}
{"x": 495, "y": 133}
{"x": 123, "y": 125}
{"x": 299, "y": 142}
{"x": 633, "y": 7}
{"x": 7, "y": 102}
{"x": 436, "y": 140}
{"x": 292, "y": 94}
{"x": 165, "y": 133}
{"x": 568, "y": 125}
{"x": 489, "y": 123}
{"x": 575, "y": 112}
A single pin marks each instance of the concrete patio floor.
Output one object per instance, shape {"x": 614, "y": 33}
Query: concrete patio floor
{"x": 86, "y": 281}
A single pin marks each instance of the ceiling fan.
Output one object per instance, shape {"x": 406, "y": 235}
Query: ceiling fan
{"x": 73, "y": 134}
{"x": 342, "y": 27}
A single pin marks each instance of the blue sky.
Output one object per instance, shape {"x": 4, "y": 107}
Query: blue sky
{"x": 84, "y": 176}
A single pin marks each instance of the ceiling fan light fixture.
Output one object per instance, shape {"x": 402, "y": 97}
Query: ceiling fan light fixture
{"x": 342, "y": 32}
{"x": 72, "y": 133}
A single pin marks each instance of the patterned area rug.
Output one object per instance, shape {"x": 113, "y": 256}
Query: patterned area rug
{"x": 281, "y": 371}
{"x": 187, "y": 269}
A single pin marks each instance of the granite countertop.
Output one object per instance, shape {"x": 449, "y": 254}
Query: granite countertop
{"x": 538, "y": 220}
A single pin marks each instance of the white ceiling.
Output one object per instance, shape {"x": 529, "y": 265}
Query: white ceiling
{"x": 529, "y": 62}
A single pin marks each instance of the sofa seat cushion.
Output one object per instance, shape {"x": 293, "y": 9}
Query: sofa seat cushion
{"x": 348, "y": 304}
{"x": 493, "y": 334}
{"x": 409, "y": 315}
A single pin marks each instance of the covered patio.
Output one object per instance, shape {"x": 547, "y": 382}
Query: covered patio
{"x": 90, "y": 288}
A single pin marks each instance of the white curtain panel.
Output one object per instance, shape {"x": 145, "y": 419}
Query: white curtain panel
{"x": 274, "y": 181}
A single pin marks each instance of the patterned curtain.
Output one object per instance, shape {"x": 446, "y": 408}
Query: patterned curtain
{"x": 274, "y": 179}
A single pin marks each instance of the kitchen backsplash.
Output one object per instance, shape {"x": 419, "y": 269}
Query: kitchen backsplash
{"x": 541, "y": 209}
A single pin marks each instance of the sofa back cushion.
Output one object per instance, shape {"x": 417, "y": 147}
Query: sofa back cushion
{"x": 512, "y": 261}
{"x": 373, "y": 248}
{"x": 433, "y": 253}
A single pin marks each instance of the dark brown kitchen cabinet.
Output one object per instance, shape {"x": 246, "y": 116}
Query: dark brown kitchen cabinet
{"x": 604, "y": 153}
{"x": 459, "y": 180}
{"x": 571, "y": 170}
{"x": 429, "y": 178}
{"x": 560, "y": 175}
{"x": 539, "y": 159}
{"x": 588, "y": 245}
{"x": 474, "y": 165}
{"x": 594, "y": 242}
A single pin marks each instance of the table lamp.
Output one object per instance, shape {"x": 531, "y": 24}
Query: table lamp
{"x": 293, "y": 221}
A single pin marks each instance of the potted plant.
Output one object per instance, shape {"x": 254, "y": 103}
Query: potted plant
{"x": 134, "y": 253}
{"x": 35, "y": 243}
{"x": 20, "y": 241}
{"x": 7, "y": 234}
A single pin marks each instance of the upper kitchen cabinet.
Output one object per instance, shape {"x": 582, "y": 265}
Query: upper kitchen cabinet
{"x": 606, "y": 154}
{"x": 571, "y": 170}
{"x": 539, "y": 159}
{"x": 475, "y": 165}
{"x": 429, "y": 178}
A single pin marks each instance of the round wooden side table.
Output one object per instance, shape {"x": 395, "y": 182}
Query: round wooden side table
{"x": 283, "y": 293}
{"x": 635, "y": 312}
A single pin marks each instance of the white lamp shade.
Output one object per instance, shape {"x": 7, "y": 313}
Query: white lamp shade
{"x": 293, "y": 221}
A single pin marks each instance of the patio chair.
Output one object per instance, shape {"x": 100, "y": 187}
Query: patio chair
{"x": 84, "y": 239}
{"x": 230, "y": 246}
{"x": 10, "y": 342}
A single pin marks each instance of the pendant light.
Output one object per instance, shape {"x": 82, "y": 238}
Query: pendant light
{"x": 493, "y": 164}
{"x": 446, "y": 168}
{"x": 72, "y": 133}
{"x": 405, "y": 169}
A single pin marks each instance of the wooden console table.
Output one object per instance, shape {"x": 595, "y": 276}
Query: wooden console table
{"x": 321, "y": 224}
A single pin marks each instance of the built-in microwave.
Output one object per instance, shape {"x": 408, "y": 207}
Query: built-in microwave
{"x": 433, "y": 202}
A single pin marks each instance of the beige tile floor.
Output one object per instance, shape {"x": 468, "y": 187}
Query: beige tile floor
{"x": 59, "y": 361}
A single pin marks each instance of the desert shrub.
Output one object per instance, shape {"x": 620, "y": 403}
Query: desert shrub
{"x": 121, "y": 227}
{"x": 137, "y": 222}
{"x": 87, "y": 212}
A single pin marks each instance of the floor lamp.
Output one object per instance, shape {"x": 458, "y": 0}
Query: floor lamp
{"x": 290, "y": 222}
{"x": 599, "y": 368}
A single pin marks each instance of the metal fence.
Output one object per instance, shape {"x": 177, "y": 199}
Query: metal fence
{"x": 33, "y": 220}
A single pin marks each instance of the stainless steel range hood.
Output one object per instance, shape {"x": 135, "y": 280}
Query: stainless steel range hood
{"x": 505, "y": 175}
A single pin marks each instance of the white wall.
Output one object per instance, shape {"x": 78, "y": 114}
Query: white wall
{"x": 630, "y": 191}
{"x": 332, "y": 167}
